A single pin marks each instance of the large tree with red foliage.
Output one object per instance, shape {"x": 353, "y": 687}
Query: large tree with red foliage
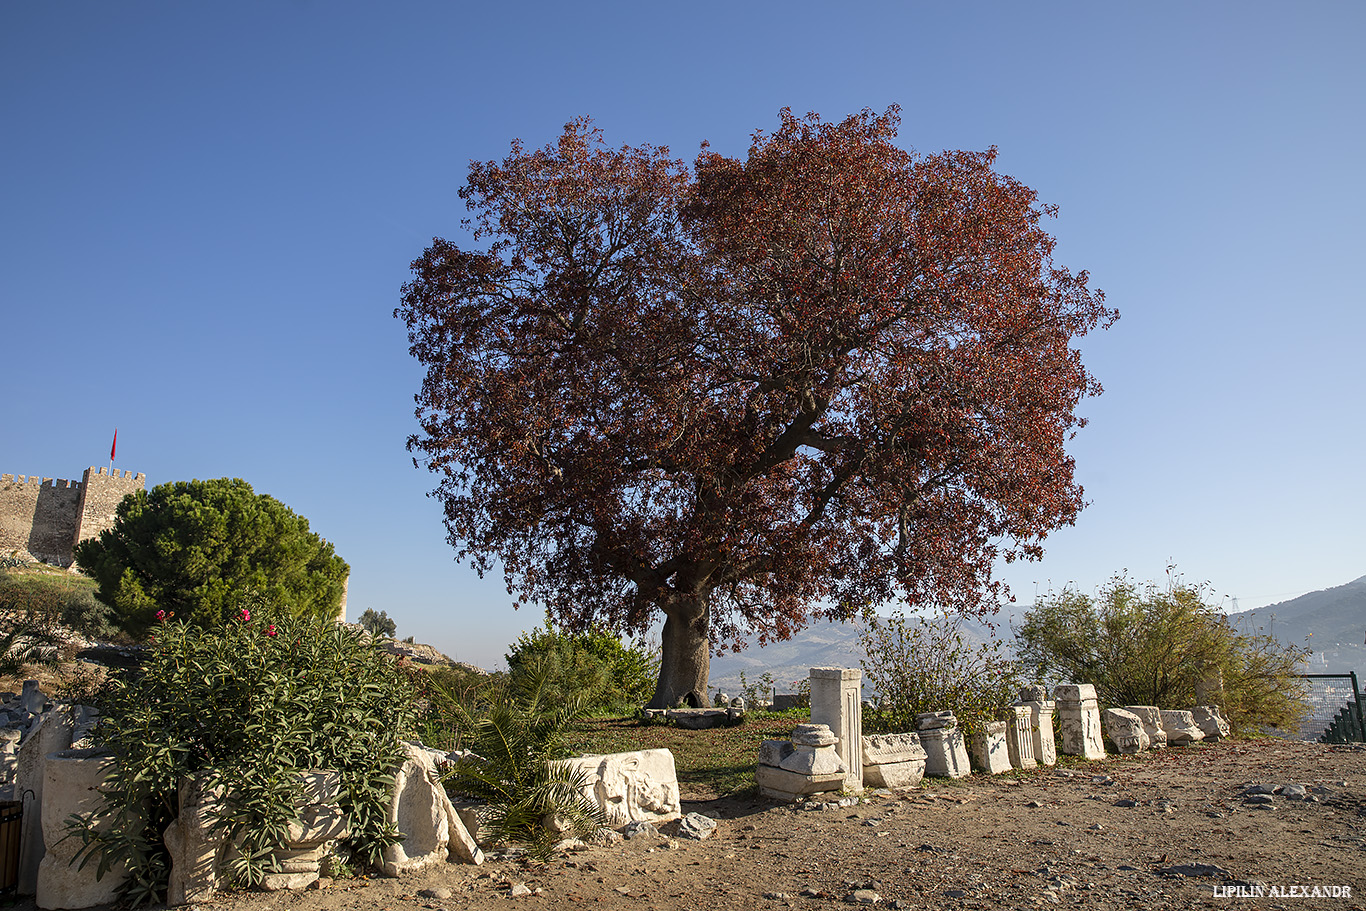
{"x": 750, "y": 392}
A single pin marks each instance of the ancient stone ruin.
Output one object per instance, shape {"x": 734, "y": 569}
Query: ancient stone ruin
{"x": 1079, "y": 720}
{"x": 807, "y": 764}
{"x": 893, "y": 760}
{"x": 946, "y": 753}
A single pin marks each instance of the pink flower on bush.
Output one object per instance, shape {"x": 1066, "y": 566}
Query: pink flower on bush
{"x": 270, "y": 630}
{"x": 161, "y": 615}
{"x": 246, "y": 615}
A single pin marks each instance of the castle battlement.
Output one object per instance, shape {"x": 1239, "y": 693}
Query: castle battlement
{"x": 46, "y": 517}
{"x": 37, "y": 481}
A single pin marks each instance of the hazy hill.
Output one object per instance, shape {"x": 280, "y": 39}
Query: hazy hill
{"x": 1331, "y": 622}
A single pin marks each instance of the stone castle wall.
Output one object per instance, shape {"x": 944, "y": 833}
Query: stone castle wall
{"x": 45, "y": 517}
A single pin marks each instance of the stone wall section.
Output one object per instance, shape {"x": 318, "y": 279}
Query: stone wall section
{"x": 45, "y": 517}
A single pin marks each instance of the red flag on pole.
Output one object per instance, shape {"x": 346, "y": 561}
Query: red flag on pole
{"x": 114, "y": 445}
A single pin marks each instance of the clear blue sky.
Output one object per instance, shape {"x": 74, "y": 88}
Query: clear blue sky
{"x": 207, "y": 209}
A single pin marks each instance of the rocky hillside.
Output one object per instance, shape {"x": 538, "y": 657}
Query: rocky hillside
{"x": 1330, "y": 622}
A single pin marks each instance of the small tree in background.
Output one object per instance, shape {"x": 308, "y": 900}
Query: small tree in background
{"x": 918, "y": 664}
{"x": 206, "y": 549}
{"x": 1150, "y": 646}
{"x": 378, "y": 624}
{"x": 596, "y": 665}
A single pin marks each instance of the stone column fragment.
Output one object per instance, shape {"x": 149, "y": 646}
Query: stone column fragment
{"x": 1079, "y": 720}
{"x": 946, "y": 755}
{"x": 990, "y": 749}
{"x": 1041, "y": 710}
{"x": 50, "y": 732}
{"x": 1211, "y": 720}
{"x": 808, "y": 764}
{"x": 837, "y": 701}
{"x": 1020, "y": 736}
{"x": 1125, "y": 730}
{"x": 1151, "y": 716}
{"x": 1180, "y": 727}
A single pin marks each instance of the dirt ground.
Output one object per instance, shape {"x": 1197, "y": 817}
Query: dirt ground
{"x": 1168, "y": 829}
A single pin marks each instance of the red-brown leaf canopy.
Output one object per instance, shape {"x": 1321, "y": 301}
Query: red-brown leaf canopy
{"x": 830, "y": 374}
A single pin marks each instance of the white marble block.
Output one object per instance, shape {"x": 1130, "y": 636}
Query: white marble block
{"x": 1151, "y": 716}
{"x": 1020, "y": 736}
{"x": 72, "y": 788}
{"x": 990, "y": 751}
{"x": 893, "y": 760}
{"x": 1125, "y": 730}
{"x": 430, "y": 829}
{"x": 837, "y": 701}
{"x": 1079, "y": 720}
{"x": 1041, "y": 728}
{"x": 946, "y": 754}
{"x": 1180, "y": 727}
{"x": 1211, "y": 720}
{"x": 807, "y": 764}
{"x": 640, "y": 786}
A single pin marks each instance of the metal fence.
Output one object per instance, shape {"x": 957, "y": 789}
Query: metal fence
{"x": 1336, "y": 711}
{"x": 11, "y": 817}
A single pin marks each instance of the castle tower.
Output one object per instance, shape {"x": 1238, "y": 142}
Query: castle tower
{"x": 100, "y": 496}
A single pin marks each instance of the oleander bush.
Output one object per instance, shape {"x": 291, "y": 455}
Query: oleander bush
{"x": 248, "y": 705}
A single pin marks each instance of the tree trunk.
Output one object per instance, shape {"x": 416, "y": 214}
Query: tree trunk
{"x": 686, "y": 660}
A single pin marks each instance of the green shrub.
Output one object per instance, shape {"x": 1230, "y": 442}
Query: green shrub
{"x": 1150, "y": 646}
{"x": 30, "y": 610}
{"x": 249, "y": 705}
{"x": 609, "y": 675}
{"x": 919, "y": 665}
{"x": 515, "y": 741}
{"x": 440, "y": 690}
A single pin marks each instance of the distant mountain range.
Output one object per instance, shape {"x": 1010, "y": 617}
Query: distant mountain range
{"x": 1330, "y": 622}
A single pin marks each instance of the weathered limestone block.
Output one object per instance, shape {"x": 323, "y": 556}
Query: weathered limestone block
{"x": 1151, "y": 716}
{"x": 72, "y": 787}
{"x": 50, "y": 733}
{"x": 837, "y": 701}
{"x": 1211, "y": 720}
{"x": 1041, "y": 725}
{"x": 1125, "y": 731}
{"x": 808, "y": 764}
{"x": 1034, "y": 693}
{"x": 1020, "y": 736}
{"x": 893, "y": 760}
{"x": 1079, "y": 720}
{"x": 946, "y": 755}
{"x": 431, "y": 829}
{"x": 990, "y": 752}
{"x": 641, "y": 786}
{"x": 195, "y": 845}
{"x": 1180, "y": 727}
{"x": 320, "y": 821}
{"x": 929, "y": 721}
